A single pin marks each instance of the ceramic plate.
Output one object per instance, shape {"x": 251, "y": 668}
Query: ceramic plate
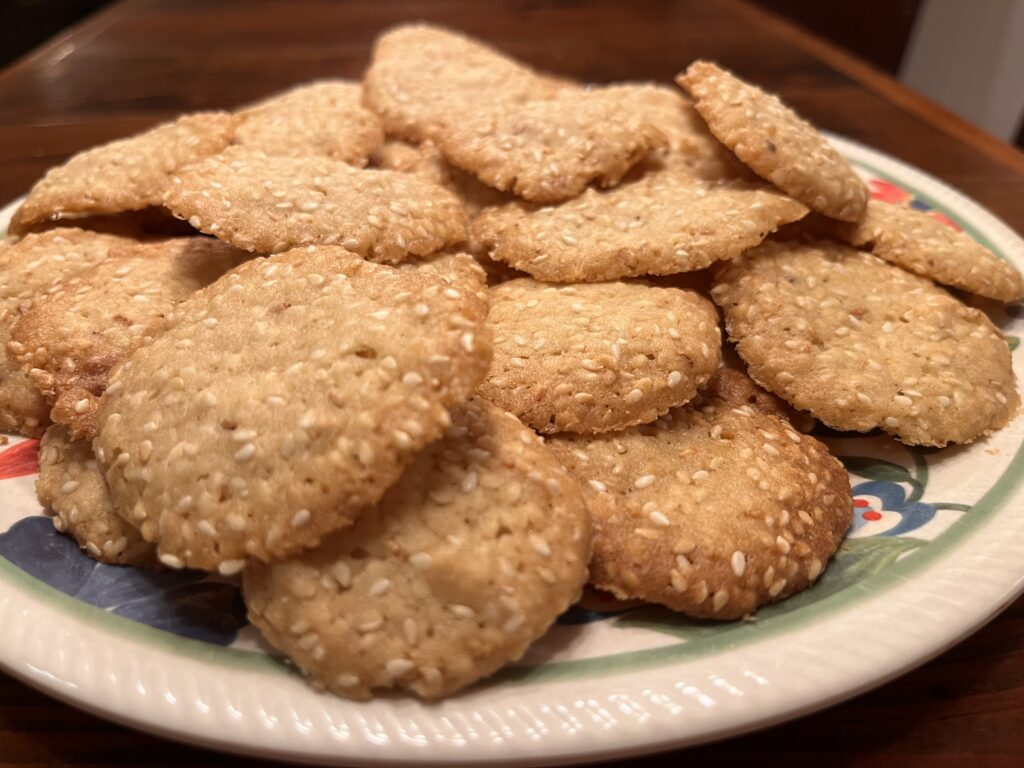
{"x": 937, "y": 548}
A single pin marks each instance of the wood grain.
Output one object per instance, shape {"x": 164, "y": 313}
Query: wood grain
{"x": 142, "y": 61}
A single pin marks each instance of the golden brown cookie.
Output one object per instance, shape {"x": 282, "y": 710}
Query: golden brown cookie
{"x": 775, "y": 142}
{"x": 470, "y": 557}
{"x": 422, "y": 77}
{"x": 270, "y": 204}
{"x": 282, "y": 400}
{"x": 71, "y": 338}
{"x": 548, "y": 150}
{"x": 125, "y": 175}
{"x": 29, "y": 269}
{"x": 862, "y": 344}
{"x": 324, "y": 118}
{"x": 920, "y": 243}
{"x": 598, "y": 357}
{"x": 72, "y": 489}
{"x": 713, "y": 510}
{"x": 662, "y": 223}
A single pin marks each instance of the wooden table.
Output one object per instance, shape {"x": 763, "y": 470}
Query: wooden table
{"x": 142, "y": 61}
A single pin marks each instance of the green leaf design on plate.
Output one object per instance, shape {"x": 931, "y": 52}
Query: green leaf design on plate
{"x": 1013, "y": 341}
{"x": 857, "y": 559}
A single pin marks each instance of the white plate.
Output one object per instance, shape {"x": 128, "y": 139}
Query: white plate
{"x": 937, "y": 550}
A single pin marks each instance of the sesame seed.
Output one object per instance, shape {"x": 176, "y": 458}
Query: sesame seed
{"x": 69, "y": 487}
{"x": 674, "y": 378}
{"x": 598, "y": 486}
{"x": 738, "y": 562}
{"x": 81, "y": 406}
{"x": 172, "y": 561}
{"x": 719, "y": 600}
{"x": 379, "y": 587}
{"x": 658, "y": 518}
{"x": 300, "y": 518}
{"x": 206, "y": 527}
{"x": 814, "y": 568}
{"x": 246, "y": 452}
{"x": 231, "y": 567}
{"x": 237, "y": 522}
{"x": 365, "y": 453}
{"x": 421, "y": 560}
{"x": 540, "y": 545}
{"x": 462, "y": 611}
{"x": 403, "y": 439}
{"x": 644, "y": 481}
{"x": 372, "y": 624}
{"x": 903, "y": 400}
{"x": 398, "y": 667}
{"x": 342, "y": 573}
{"x": 633, "y": 396}
{"x": 782, "y": 545}
{"x": 347, "y": 681}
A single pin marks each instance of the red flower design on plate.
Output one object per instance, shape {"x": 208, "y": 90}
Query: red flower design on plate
{"x": 947, "y": 221}
{"x": 887, "y": 192}
{"x": 20, "y": 460}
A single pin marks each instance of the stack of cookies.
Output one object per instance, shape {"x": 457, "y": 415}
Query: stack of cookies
{"x": 422, "y": 355}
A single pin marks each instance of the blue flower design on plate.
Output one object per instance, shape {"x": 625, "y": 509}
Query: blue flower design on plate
{"x": 186, "y": 603}
{"x": 881, "y": 508}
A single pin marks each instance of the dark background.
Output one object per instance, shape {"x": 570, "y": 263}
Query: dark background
{"x": 876, "y": 30}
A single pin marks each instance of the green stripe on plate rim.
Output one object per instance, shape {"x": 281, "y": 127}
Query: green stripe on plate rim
{"x": 730, "y": 636}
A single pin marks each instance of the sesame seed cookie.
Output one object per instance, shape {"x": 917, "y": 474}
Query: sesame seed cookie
{"x": 324, "y": 118}
{"x": 662, "y": 223}
{"x": 421, "y": 77}
{"x": 125, "y": 175}
{"x": 597, "y": 357}
{"x": 775, "y": 142}
{"x": 691, "y": 146}
{"x": 29, "y": 269}
{"x": 712, "y": 510}
{"x": 468, "y": 559}
{"x": 282, "y": 400}
{"x": 271, "y": 204}
{"x": 922, "y": 244}
{"x": 72, "y": 489}
{"x": 549, "y": 150}
{"x": 862, "y": 344}
{"x": 71, "y": 338}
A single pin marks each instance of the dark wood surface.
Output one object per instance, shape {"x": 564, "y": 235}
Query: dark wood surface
{"x": 142, "y": 61}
